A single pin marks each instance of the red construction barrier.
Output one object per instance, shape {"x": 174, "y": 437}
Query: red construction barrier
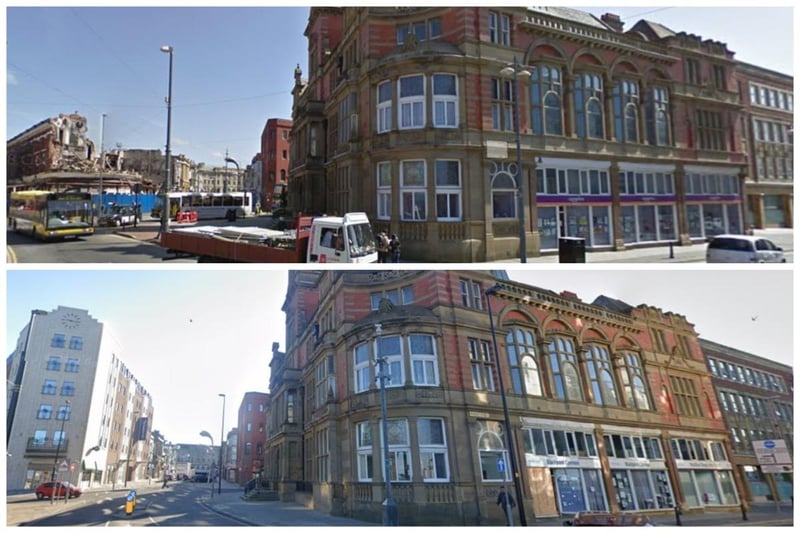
{"x": 186, "y": 216}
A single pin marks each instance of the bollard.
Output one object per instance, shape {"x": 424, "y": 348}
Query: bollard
{"x": 744, "y": 511}
{"x": 677, "y": 515}
{"x": 130, "y": 502}
{"x": 671, "y": 251}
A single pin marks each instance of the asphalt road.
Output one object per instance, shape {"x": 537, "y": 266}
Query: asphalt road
{"x": 177, "y": 505}
{"x": 105, "y": 246}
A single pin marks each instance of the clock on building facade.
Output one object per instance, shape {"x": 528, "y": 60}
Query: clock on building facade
{"x": 71, "y": 320}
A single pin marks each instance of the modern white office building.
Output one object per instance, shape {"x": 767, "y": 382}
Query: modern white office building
{"x": 74, "y": 410}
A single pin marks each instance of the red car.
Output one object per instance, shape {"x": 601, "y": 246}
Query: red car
{"x": 46, "y": 490}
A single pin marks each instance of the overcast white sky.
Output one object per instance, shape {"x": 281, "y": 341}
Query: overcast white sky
{"x": 189, "y": 335}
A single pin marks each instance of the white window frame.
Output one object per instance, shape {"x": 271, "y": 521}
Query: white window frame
{"x": 480, "y": 353}
{"x": 414, "y": 194}
{"x": 384, "y": 122}
{"x": 424, "y": 365}
{"x": 399, "y": 453}
{"x": 384, "y": 189}
{"x": 428, "y": 451}
{"x": 413, "y": 104}
{"x": 362, "y": 374}
{"x": 445, "y": 106}
{"x": 366, "y": 466}
{"x": 394, "y": 360}
{"x": 449, "y": 192}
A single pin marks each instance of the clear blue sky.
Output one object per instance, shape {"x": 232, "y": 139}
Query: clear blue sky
{"x": 190, "y": 335}
{"x": 233, "y": 67}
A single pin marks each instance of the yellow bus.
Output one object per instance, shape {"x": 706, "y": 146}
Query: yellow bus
{"x": 51, "y": 215}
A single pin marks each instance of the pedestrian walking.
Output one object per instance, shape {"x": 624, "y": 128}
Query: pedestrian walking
{"x": 506, "y": 501}
{"x": 383, "y": 247}
{"x": 394, "y": 248}
{"x": 164, "y": 485}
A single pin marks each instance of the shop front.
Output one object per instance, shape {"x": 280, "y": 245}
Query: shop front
{"x": 713, "y": 202}
{"x": 704, "y": 473}
{"x": 573, "y": 199}
{"x": 565, "y": 456}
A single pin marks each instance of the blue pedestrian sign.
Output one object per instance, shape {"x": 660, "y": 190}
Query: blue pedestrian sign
{"x": 501, "y": 465}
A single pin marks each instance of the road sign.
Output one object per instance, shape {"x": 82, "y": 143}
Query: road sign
{"x": 501, "y": 465}
{"x": 63, "y": 467}
{"x": 773, "y": 456}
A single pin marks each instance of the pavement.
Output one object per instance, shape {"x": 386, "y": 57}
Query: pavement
{"x": 149, "y": 231}
{"x": 230, "y": 503}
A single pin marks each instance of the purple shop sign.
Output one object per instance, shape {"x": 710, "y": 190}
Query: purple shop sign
{"x": 647, "y": 199}
{"x": 556, "y": 199}
{"x": 714, "y": 198}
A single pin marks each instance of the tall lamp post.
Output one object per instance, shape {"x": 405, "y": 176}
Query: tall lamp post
{"x": 389, "y": 505}
{"x": 221, "y": 442}
{"x": 232, "y": 160}
{"x": 205, "y": 433}
{"x": 512, "y": 452}
{"x": 102, "y": 162}
{"x": 58, "y": 448}
{"x": 167, "y": 176}
{"x": 515, "y": 70}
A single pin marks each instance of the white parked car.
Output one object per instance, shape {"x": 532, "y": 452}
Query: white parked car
{"x": 743, "y": 249}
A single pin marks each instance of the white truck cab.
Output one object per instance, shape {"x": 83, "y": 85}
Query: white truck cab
{"x": 346, "y": 239}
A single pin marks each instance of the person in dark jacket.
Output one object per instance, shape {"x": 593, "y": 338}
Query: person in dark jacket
{"x": 394, "y": 248}
{"x": 506, "y": 502}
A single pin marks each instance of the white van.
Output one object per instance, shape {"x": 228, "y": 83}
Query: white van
{"x": 743, "y": 249}
{"x": 347, "y": 239}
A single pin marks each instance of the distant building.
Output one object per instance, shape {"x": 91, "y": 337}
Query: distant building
{"x": 251, "y": 436}
{"x": 203, "y": 457}
{"x": 275, "y": 159}
{"x": 58, "y": 143}
{"x": 230, "y": 456}
{"x": 73, "y": 401}
{"x": 216, "y": 179}
{"x": 768, "y": 121}
{"x": 756, "y": 396}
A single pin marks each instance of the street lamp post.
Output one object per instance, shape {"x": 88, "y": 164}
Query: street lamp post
{"x": 205, "y": 433}
{"x": 515, "y": 70}
{"x": 102, "y": 162}
{"x": 509, "y": 436}
{"x": 389, "y": 505}
{"x": 221, "y": 442}
{"x": 232, "y": 160}
{"x": 58, "y": 449}
{"x": 167, "y": 176}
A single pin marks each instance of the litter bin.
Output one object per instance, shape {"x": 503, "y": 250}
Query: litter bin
{"x": 571, "y": 250}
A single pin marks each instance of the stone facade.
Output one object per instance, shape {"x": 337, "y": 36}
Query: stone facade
{"x": 626, "y": 138}
{"x": 610, "y": 406}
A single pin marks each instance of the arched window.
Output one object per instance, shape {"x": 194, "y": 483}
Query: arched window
{"x": 634, "y": 389}
{"x": 521, "y": 348}
{"x": 626, "y": 111}
{"x": 546, "y": 103}
{"x": 658, "y": 127}
{"x": 492, "y": 450}
{"x": 564, "y": 365}
{"x": 601, "y": 379}
{"x": 504, "y": 190}
{"x": 588, "y": 97}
